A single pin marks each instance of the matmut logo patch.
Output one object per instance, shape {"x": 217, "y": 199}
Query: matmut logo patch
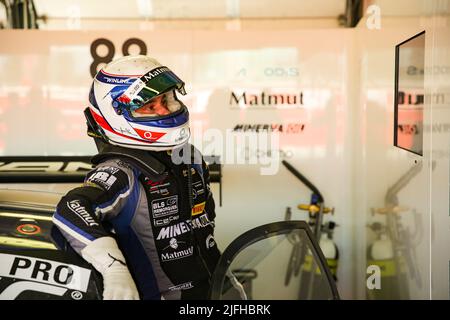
{"x": 198, "y": 209}
{"x": 76, "y": 207}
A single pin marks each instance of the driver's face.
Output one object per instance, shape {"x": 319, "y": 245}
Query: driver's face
{"x": 156, "y": 107}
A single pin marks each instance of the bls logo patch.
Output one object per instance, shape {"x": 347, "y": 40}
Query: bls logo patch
{"x": 165, "y": 206}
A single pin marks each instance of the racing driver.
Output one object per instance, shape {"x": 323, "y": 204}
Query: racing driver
{"x": 144, "y": 216}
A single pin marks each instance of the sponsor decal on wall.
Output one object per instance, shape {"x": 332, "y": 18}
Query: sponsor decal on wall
{"x": 283, "y": 128}
{"x": 265, "y": 100}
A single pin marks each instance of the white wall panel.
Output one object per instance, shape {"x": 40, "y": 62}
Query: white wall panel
{"x": 46, "y": 80}
{"x": 380, "y": 165}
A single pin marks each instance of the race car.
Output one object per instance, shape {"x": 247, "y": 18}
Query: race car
{"x": 36, "y": 261}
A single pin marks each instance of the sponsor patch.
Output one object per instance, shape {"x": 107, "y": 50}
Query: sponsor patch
{"x": 200, "y": 222}
{"x": 197, "y": 189}
{"x": 165, "y": 221}
{"x": 104, "y": 177}
{"x": 198, "y": 208}
{"x": 179, "y": 253}
{"x": 185, "y": 172}
{"x": 173, "y": 231}
{"x": 157, "y": 187}
{"x": 210, "y": 242}
{"x": 153, "y": 184}
{"x": 160, "y": 191}
{"x": 109, "y": 169}
{"x": 165, "y": 206}
{"x": 170, "y": 256}
{"x": 183, "y": 286}
{"x": 76, "y": 207}
{"x": 183, "y": 227}
{"x": 173, "y": 243}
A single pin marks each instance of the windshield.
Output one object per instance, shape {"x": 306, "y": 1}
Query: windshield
{"x": 287, "y": 260}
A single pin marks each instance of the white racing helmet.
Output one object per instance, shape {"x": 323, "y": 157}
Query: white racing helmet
{"x": 133, "y": 104}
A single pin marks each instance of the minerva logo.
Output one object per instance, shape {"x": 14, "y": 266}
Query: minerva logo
{"x": 173, "y": 231}
{"x": 80, "y": 211}
{"x": 282, "y": 128}
{"x": 183, "y": 227}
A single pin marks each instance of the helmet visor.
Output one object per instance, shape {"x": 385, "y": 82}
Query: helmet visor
{"x": 159, "y": 106}
{"x": 152, "y": 84}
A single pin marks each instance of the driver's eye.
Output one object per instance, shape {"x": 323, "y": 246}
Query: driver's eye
{"x": 164, "y": 100}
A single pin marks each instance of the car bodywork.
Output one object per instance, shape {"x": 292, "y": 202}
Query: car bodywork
{"x": 36, "y": 261}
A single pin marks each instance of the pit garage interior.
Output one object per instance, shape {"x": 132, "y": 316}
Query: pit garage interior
{"x": 352, "y": 95}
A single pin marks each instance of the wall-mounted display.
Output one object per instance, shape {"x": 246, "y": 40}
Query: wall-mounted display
{"x": 409, "y": 94}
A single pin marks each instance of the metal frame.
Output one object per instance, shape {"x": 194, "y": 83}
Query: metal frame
{"x": 397, "y": 54}
{"x": 260, "y": 233}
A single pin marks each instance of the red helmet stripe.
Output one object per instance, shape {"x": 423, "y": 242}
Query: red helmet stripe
{"x": 147, "y": 135}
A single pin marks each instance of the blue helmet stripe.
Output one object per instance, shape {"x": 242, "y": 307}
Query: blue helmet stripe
{"x": 114, "y": 79}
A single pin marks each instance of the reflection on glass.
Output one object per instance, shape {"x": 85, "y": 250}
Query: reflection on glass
{"x": 282, "y": 267}
{"x": 410, "y": 94}
{"x": 394, "y": 249}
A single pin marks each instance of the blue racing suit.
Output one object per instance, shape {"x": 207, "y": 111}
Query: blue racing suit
{"x": 162, "y": 219}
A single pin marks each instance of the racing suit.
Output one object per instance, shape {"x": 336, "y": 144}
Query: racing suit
{"x": 162, "y": 219}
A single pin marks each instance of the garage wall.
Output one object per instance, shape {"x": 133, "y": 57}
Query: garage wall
{"x": 422, "y": 181}
{"x": 439, "y": 86}
{"x": 340, "y": 134}
{"x": 46, "y": 80}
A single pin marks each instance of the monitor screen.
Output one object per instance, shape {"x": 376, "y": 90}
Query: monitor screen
{"x": 409, "y": 94}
